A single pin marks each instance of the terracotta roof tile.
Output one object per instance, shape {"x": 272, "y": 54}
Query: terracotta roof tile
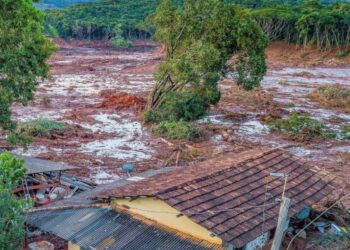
{"x": 226, "y": 195}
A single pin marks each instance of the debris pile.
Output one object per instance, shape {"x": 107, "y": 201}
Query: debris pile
{"x": 122, "y": 100}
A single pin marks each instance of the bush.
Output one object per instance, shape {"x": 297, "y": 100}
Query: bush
{"x": 41, "y": 127}
{"x": 178, "y": 130}
{"x": 345, "y": 131}
{"x": 301, "y": 125}
{"x": 332, "y": 96}
{"x": 53, "y": 32}
{"x": 120, "y": 42}
{"x": 186, "y": 106}
{"x": 11, "y": 213}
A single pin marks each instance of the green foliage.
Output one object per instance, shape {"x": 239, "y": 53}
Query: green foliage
{"x": 345, "y": 131}
{"x": 52, "y": 31}
{"x": 23, "y": 53}
{"x": 118, "y": 41}
{"x": 97, "y": 20}
{"x": 41, "y": 127}
{"x": 301, "y": 125}
{"x": 321, "y": 23}
{"x": 11, "y": 208}
{"x": 11, "y": 170}
{"x": 16, "y": 138}
{"x": 307, "y": 23}
{"x": 177, "y": 130}
{"x": 187, "y": 106}
{"x": 200, "y": 38}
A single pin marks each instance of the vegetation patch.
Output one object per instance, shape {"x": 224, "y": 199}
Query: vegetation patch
{"x": 335, "y": 96}
{"x": 178, "y": 130}
{"x": 186, "y": 106}
{"x": 300, "y": 127}
{"x": 241, "y": 96}
{"x": 41, "y": 127}
{"x": 345, "y": 131}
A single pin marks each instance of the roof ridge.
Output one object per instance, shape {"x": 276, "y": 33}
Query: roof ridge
{"x": 324, "y": 174}
{"x": 222, "y": 170}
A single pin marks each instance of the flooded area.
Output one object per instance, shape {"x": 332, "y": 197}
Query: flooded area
{"x": 101, "y": 137}
{"x": 287, "y": 89}
{"x": 105, "y": 134}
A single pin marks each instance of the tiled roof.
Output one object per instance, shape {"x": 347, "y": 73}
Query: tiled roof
{"x": 222, "y": 194}
{"x": 101, "y": 229}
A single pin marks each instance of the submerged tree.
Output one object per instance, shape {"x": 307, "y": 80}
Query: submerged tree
{"x": 199, "y": 40}
{"x": 23, "y": 54}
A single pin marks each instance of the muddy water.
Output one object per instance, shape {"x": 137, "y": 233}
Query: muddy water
{"x": 289, "y": 88}
{"x": 104, "y": 138}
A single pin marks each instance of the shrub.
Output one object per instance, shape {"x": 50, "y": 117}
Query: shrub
{"x": 41, "y": 127}
{"x": 177, "y": 130}
{"x": 53, "y": 32}
{"x": 11, "y": 213}
{"x": 120, "y": 42}
{"x": 332, "y": 96}
{"x": 345, "y": 131}
{"x": 301, "y": 125}
{"x": 186, "y": 106}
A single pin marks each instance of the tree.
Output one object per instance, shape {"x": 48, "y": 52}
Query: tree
{"x": 118, "y": 41}
{"x": 23, "y": 54}
{"x": 200, "y": 38}
{"x": 11, "y": 208}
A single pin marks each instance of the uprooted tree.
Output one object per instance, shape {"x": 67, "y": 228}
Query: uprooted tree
{"x": 23, "y": 53}
{"x": 199, "y": 40}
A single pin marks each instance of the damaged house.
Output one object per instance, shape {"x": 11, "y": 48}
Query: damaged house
{"x": 230, "y": 202}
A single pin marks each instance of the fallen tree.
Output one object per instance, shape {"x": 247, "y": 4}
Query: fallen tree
{"x": 200, "y": 38}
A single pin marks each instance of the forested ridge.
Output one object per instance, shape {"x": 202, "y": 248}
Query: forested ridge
{"x": 103, "y": 19}
{"x": 311, "y": 22}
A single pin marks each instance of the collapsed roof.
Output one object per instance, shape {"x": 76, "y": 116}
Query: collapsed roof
{"x": 226, "y": 195}
{"x": 37, "y": 166}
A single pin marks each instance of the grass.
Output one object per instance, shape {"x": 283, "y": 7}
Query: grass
{"x": 301, "y": 127}
{"x": 41, "y": 127}
{"x": 177, "y": 130}
{"x": 345, "y": 131}
{"x": 243, "y": 97}
{"x": 335, "y": 96}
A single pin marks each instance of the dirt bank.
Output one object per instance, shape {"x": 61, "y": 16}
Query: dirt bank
{"x": 289, "y": 55}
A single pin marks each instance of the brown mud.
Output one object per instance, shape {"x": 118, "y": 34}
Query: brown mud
{"x": 100, "y": 92}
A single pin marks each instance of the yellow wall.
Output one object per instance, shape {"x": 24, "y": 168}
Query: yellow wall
{"x": 72, "y": 246}
{"x": 159, "y": 211}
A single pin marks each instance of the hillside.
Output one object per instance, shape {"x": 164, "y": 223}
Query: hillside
{"x": 308, "y": 23}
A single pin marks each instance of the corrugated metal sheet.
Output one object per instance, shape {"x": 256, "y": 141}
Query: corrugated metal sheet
{"x": 102, "y": 228}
